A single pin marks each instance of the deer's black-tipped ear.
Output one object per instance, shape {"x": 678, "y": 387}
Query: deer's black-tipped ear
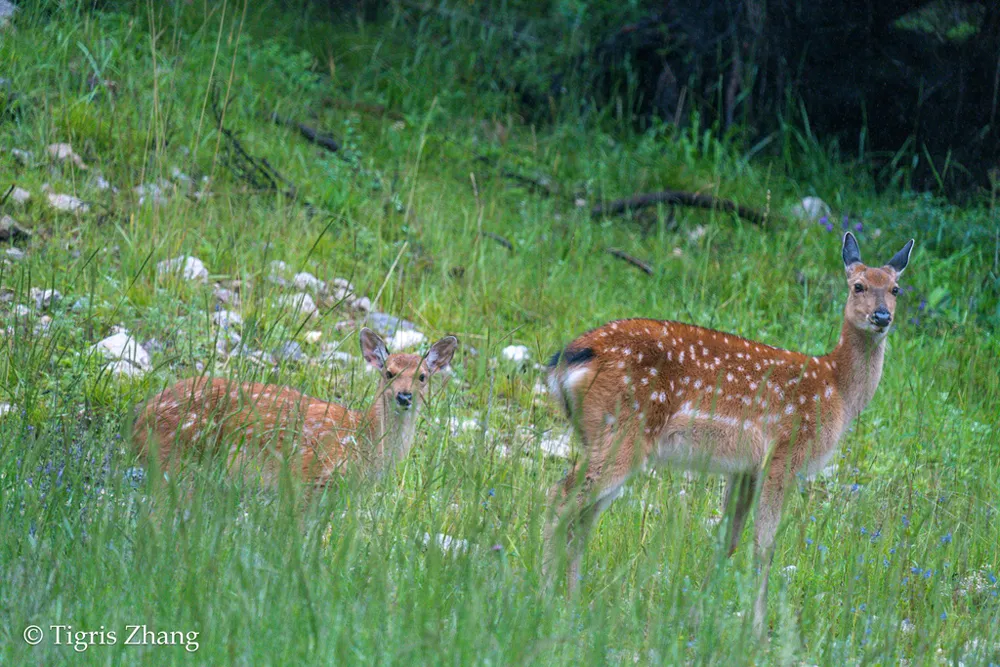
{"x": 901, "y": 258}
{"x": 441, "y": 353}
{"x": 851, "y": 252}
{"x": 373, "y": 349}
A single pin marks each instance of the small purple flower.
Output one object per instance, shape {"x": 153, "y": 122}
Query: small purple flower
{"x": 928, "y": 573}
{"x": 993, "y": 578}
{"x": 885, "y": 562}
{"x": 855, "y": 487}
{"x": 492, "y": 492}
{"x": 829, "y": 226}
{"x": 946, "y": 539}
{"x": 496, "y": 547}
{"x": 809, "y": 541}
{"x": 915, "y": 570}
{"x": 824, "y": 220}
{"x": 858, "y": 227}
{"x": 864, "y": 531}
{"x": 944, "y": 615}
{"x": 923, "y": 304}
{"x": 906, "y": 521}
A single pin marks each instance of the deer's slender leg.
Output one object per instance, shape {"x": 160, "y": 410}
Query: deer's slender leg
{"x": 765, "y": 528}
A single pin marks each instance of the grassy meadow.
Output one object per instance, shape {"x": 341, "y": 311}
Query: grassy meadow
{"x": 888, "y": 557}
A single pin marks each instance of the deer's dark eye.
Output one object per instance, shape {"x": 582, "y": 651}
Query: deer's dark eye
{"x": 858, "y": 287}
{"x": 388, "y": 375}
{"x": 895, "y": 291}
{"x": 422, "y": 377}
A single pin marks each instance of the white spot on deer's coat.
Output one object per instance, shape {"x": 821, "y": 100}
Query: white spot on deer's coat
{"x": 828, "y": 393}
{"x": 682, "y": 357}
{"x": 789, "y": 409}
{"x": 729, "y": 377}
{"x": 802, "y": 400}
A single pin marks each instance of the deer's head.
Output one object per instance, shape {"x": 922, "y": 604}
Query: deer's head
{"x": 871, "y": 300}
{"x": 405, "y": 377}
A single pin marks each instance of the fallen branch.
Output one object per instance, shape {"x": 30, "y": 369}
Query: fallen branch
{"x": 259, "y": 173}
{"x": 311, "y": 134}
{"x": 634, "y": 261}
{"x": 499, "y": 239}
{"x": 676, "y": 198}
{"x": 3, "y": 200}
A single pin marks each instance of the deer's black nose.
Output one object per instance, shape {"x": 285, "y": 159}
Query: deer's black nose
{"x": 881, "y": 317}
{"x": 404, "y": 398}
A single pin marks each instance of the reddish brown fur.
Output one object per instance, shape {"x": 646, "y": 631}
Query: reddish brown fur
{"x": 253, "y": 422}
{"x": 658, "y": 391}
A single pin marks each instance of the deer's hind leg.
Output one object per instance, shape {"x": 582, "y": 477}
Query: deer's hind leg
{"x": 577, "y": 501}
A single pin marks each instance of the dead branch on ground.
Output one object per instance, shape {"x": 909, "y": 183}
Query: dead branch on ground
{"x": 676, "y": 198}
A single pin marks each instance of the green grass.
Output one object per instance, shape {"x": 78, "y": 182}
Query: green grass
{"x": 890, "y": 557}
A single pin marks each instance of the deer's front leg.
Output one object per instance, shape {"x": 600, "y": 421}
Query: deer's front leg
{"x": 739, "y": 495}
{"x": 765, "y": 528}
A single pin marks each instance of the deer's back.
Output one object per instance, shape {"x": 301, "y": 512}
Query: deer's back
{"x": 250, "y": 422}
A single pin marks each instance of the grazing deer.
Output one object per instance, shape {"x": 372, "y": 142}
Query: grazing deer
{"x": 250, "y": 419}
{"x": 648, "y": 391}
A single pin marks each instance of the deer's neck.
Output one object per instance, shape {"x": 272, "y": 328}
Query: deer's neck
{"x": 390, "y": 431}
{"x": 858, "y": 369}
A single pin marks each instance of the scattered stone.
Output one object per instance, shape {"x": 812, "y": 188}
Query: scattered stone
{"x": 20, "y": 310}
{"x": 307, "y": 282}
{"x": 152, "y": 193}
{"x": 67, "y": 203}
{"x": 696, "y": 233}
{"x": 42, "y": 325}
{"x": 516, "y": 353}
{"x": 312, "y": 337}
{"x": 122, "y": 368}
{"x": 15, "y": 254}
{"x": 190, "y": 268}
{"x": 226, "y": 295}
{"x": 329, "y": 354}
{"x": 278, "y": 273}
{"x": 44, "y": 297}
{"x": 388, "y": 324}
{"x": 364, "y": 304}
{"x": 404, "y": 339}
{"x": 227, "y": 318}
{"x": 24, "y": 157}
{"x": 259, "y": 356}
{"x": 811, "y": 209}
{"x": 64, "y": 153}
{"x": 301, "y": 303}
{"x": 19, "y": 195}
{"x": 343, "y": 290}
{"x": 11, "y": 231}
{"x": 103, "y": 185}
{"x": 80, "y": 305}
{"x": 153, "y": 346}
{"x": 179, "y": 176}
{"x": 447, "y": 543}
{"x": 121, "y": 346}
{"x": 288, "y": 351}
{"x": 6, "y": 408}
{"x": 227, "y": 342}
{"x": 558, "y": 447}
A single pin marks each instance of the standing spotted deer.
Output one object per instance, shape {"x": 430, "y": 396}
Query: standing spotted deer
{"x": 250, "y": 422}
{"x": 649, "y": 391}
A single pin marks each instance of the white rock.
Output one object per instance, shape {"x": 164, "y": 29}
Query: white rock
{"x": 103, "y": 184}
{"x": 812, "y": 209}
{"x": 277, "y": 272}
{"x": 516, "y": 353}
{"x": 696, "y": 233}
{"x": 122, "y": 368}
{"x": 558, "y": 446}
{"x": 65, "y": 152}
{"x": 67, "y": 203}
{"x": 44, "y": 297}
{"x": 307, "y": 282}
{"x": 227, "y": 318}
{"x": 447, "y": 543}
{"x": 312, "y": 337}
{"x": 364, "y": 304}
{"x": 19, "y": 195}
{"x": 301, "y": 303}
{"x": 24, "y": 157}
{"x": 179, "y": 176}
{"x": 331, "y": 355}
{"x": 343, "y": 283}
{"x": 20, "y": 310}
{"x": 403, "y": 340}
{"x": 123, "y": 347}
{"x": 190, "y": 268}
{"x": 15, "y": 254}
{"x": 5, "y": 408}
{"x": 152, "y": 193}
